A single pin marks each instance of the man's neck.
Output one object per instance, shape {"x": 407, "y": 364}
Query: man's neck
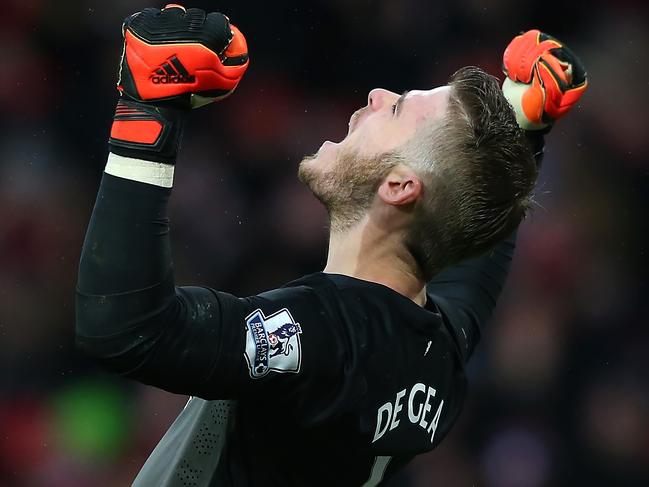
{"x": 365, "y": 252}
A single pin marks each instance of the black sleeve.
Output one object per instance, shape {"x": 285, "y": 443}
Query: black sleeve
{"x": 466, "y": 293}
{"x": 132, "y": 319}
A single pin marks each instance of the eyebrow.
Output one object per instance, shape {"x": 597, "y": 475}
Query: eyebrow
{"x": 400, "y": 102}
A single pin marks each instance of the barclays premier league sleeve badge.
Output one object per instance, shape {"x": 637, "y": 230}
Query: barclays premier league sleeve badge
{"x": 272, "y": 343}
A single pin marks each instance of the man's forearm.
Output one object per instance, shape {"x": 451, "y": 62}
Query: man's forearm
{"x": 130, "y": 316}
{"x": 467, "y": 292}
{"x": 125, "y": 272}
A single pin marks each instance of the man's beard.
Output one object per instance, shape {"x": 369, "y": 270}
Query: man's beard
{"x": 348, "y": 186}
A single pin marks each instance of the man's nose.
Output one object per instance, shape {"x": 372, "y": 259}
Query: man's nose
{"x": 378, "y": 98}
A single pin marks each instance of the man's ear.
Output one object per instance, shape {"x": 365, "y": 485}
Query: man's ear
{"x": 400, "y": 187}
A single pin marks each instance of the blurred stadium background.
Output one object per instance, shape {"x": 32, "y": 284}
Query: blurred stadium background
{"x": 559, "y": 386}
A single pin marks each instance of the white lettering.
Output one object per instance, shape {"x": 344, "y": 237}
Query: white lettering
{"x": 386, "y": 408}
{"x": 433, "y": 425}
{"x": 414, "y": 418}
{"x": 427, "y": 407}
{"x": 387, "y": 416}
{"x": 397, "y": 407}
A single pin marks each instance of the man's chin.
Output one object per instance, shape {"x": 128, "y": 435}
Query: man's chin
{"x": 316, "y": 164}
{"x": 313, "y": 173}
{"x": 305, "y": 169}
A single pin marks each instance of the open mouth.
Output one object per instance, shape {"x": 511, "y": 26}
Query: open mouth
{"x": 353, "y": 123}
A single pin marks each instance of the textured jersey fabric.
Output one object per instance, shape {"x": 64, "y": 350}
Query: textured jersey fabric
{"x": 190, "y": 451}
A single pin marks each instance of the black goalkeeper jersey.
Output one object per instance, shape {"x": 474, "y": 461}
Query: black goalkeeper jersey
{"x": 326, "y": 381}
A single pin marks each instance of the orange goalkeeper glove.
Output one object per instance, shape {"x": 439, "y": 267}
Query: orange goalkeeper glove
{"x": 173, "y": 60}
{"x": 544, "y": 79}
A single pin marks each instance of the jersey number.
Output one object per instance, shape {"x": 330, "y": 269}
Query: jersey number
{"x": 378, "y": 471}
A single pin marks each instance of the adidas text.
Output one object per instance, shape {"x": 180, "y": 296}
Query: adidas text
{"x": 163, "y": 79}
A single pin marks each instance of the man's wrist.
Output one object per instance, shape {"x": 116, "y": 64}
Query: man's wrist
{"x": 536, "y": 139}
{"x": 144, "y": 131}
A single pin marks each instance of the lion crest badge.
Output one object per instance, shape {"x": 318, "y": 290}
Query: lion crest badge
{"x": 272, "y": 343}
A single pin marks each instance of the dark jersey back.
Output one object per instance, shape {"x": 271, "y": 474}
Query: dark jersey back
{"x": 380, "y": 381}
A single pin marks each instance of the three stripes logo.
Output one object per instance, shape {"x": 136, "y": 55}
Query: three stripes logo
{"x": 172, "y": 71}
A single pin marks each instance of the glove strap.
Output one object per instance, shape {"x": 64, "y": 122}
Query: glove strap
{"x": 146, "y": 131}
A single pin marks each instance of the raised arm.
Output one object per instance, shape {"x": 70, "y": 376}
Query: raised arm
{"x": 544, "y": 80}
{"x": 467, "y": 293}
{"x": 129, "y": 314}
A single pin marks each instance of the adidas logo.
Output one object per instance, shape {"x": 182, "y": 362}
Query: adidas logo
{"x": 172, "y": 72}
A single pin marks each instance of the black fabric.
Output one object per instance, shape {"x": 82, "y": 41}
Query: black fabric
{"x": 377, "y": 376}
{"x": 467, "y": 293}
{"x": 536, "y": 140}
{"x": 175, "y": 25}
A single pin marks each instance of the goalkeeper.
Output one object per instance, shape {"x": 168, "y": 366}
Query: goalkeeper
{"x": 340, "y": 377}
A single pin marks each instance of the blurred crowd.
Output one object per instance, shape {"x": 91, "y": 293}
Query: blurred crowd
{"x": 559, "y": 389}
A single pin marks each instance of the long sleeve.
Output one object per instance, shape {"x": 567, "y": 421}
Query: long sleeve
{"x": 467, "y": 292}
{"x": 130, "y": 317}
{"x": 126, "y": 299}
{"x": 133, "y": 320}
